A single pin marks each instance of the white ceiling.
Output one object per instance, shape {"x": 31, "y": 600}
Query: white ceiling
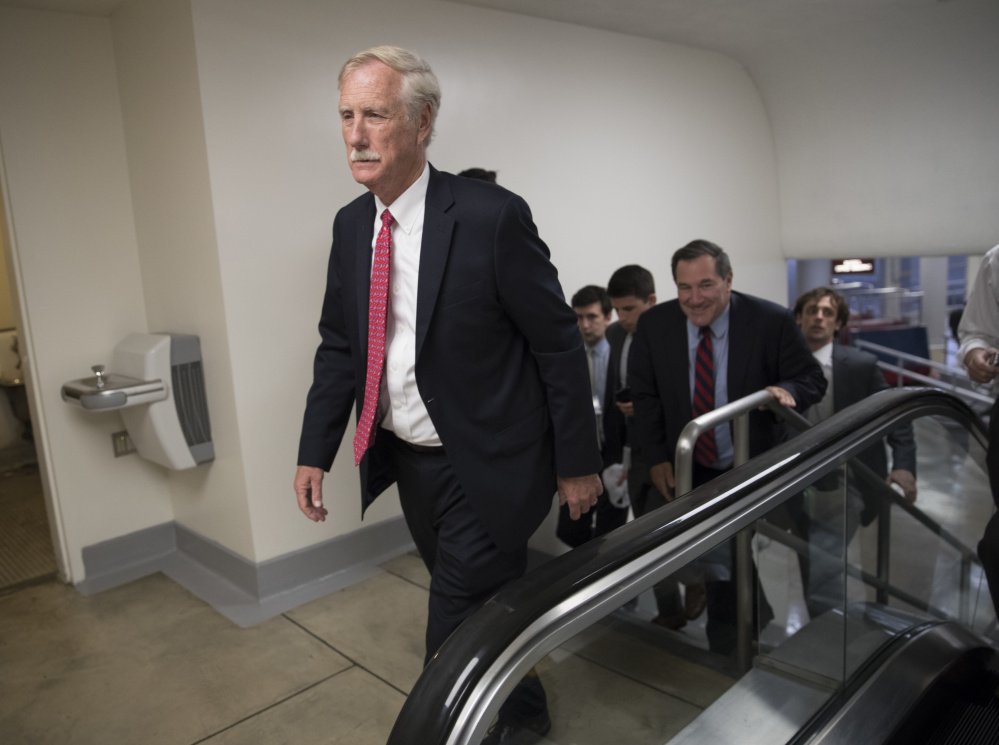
{"x": 749, "y": 30}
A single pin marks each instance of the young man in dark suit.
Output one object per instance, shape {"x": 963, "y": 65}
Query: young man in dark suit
{"x": 852, "y": 375}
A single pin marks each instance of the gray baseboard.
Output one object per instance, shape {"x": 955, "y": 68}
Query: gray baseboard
{"x": 245, "y": 592}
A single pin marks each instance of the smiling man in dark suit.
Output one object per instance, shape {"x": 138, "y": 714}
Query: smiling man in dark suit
{"x": 751, "y": 345}
{"x": 445, "y": 322}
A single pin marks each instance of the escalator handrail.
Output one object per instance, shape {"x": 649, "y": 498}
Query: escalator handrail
{"x": 569, "y": 592}
{"x": 684, "y": 459}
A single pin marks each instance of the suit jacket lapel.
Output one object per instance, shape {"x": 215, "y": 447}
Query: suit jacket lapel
{"x": 840, "y": 376}
{"x": 679, "y": 321}
{"x": 739, "y": 335}
{"x": 438, "y": 227}
{"x": 362, "y": 268}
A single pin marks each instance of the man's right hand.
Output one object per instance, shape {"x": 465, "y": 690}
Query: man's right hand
{"x": 309, "y": 491}
{"x": 626, "y": 407}
{"x": 662, "y": 478}
{"x": 977, "y": 363}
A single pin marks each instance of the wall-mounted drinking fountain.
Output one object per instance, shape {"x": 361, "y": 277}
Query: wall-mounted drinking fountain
{"x": 158, "y": 385}
{"x": 112, "y": 391}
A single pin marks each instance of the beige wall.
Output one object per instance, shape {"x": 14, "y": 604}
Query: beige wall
{"x": 178, "y": 167}
{"x": 177, "y": 244}
{"x": 75, "y": 256}
{"x": 587, "y": 125}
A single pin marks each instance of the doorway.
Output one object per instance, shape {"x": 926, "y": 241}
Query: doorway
{"x": 26, "y": 552}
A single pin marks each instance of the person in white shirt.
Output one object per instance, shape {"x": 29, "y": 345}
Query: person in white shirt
{"x": 979, "y": 353}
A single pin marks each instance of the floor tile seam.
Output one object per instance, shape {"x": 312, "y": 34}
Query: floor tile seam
{"x": 643, "y": 683}
{"x": 273, "y": 705}
{"x": 355, "y": 663}
{"x": 405, "y": 579}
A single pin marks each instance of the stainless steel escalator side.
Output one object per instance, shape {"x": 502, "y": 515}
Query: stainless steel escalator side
{"x": 896, "y": 688}
{"x": 463, "y": 686}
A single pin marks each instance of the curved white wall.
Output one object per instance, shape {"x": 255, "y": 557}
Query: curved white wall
{"x": 625, "y": 148}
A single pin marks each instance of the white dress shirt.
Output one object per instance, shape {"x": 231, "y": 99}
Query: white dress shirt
{"x": 979, "y": 326}
{"x": 824, "y": 408}
{"x": 400, "y": 402}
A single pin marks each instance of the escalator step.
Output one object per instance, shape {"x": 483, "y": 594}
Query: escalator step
{"x": 972, "y": 718}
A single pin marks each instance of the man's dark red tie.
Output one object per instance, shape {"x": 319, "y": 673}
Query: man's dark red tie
{"x": 381, "y": 264}
{"x": 705, "y": 449}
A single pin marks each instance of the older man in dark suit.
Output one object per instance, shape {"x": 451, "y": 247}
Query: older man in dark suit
{"x": 445, "y": 322}
{"x": 709, "y": 347}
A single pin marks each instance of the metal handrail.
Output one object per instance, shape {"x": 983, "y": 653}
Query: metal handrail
{"x": 469, "y": 677}
{"x": 899, "y": 354}
{"x": 960, "y": 384}
{"x": 738, "y": 413}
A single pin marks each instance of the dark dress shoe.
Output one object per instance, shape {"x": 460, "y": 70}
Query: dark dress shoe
{"x": 695, "y": 598}
{"x": 671, "y": 621}
{"x": 519, "y": 732}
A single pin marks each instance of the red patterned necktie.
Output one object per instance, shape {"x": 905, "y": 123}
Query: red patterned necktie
{"x": 381, "y": 263}
{"x": 705, "y": 449}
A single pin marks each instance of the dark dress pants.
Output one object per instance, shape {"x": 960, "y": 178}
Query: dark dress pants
{"x": 644, "y": 499}
{"x": 721, "y": 595}
{"x": 466, "y": 567}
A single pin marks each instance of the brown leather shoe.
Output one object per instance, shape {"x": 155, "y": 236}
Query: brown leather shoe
{"x": 695, "y": 598}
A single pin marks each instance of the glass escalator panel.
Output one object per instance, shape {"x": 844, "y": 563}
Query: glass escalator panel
{"x": 813, "y": 566}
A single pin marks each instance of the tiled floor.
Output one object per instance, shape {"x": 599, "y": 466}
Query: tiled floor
{"x": 149, "y": 663}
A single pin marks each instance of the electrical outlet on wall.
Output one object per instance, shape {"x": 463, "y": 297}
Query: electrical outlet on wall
{"x": 122, "y": 443}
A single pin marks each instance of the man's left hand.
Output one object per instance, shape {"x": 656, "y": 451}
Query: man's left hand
{"x": 906, "y": 480}
{"x": 783, "y": 397}
{"x": 580, "y": 493}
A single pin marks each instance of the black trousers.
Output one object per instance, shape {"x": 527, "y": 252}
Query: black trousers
{"x": 988, "y": 547}
{"x": 466, "y": 567}
{"x": 722, "y": 604}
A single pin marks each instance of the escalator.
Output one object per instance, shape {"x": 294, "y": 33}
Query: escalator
{"x": 882, "y": 636}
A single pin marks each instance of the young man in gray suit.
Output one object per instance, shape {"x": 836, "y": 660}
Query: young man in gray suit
{"x": 852, "y": 375}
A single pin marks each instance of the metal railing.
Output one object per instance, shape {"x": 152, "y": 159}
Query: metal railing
{"x": 465, "y": 683}
{"x": 953, "y": 380}
{"x": 737, "y": 412}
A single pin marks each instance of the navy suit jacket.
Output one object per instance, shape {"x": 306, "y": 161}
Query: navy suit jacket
{"x": 500, "y": 363}
{"x": 855, "y": 377}
{"x": 765, "y": 348}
